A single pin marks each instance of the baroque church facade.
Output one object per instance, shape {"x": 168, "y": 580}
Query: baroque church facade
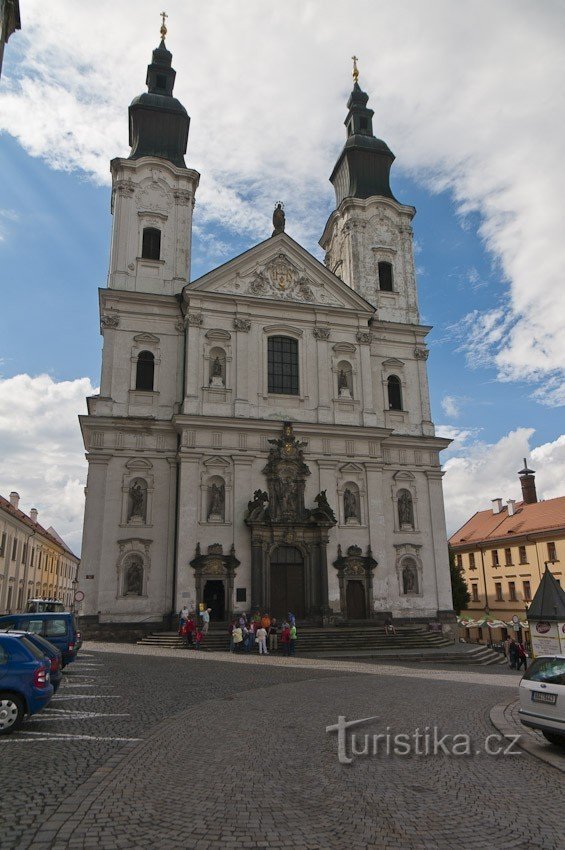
{"x": 262, "y": 438}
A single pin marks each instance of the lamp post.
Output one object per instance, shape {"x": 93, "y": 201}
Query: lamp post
{"x": 487, "y": 616}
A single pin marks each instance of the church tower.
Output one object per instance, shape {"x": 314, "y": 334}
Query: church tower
{"x": 368, "y": 238}
{"x": 153, "y": 190}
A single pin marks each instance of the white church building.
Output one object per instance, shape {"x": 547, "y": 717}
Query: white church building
{"x": 262, "y": 438}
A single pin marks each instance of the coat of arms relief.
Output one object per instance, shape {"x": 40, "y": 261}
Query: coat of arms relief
{"x": 280, "y": 279}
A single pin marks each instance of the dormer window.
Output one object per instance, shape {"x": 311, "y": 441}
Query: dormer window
{"x": 151, "y": 245}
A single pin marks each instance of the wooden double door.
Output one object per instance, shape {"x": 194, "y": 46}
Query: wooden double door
{"x": 287, "y": 581}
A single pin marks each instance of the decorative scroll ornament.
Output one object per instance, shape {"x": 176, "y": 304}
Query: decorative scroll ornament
{"x": 109, "y": 321}
{"x": 195, "y": 319}
{"x": 321, "y": 333}
{"x": 364, "y": 337}
{"x": 421, "y": 353}
{"x": 243, "y": 325}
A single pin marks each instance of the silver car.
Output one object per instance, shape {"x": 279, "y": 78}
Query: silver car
{"x": 542, "y": 697}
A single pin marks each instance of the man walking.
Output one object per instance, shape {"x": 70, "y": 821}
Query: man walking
{"x": 262, "y": 640}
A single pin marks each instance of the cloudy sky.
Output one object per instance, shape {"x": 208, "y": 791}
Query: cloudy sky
{"x": 470, "y": 97}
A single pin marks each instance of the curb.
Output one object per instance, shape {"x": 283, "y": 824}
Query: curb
{"x": 502, "y": 720}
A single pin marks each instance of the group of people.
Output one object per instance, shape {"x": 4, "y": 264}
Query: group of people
{"x": 246, "y": 632}
{"x": 516, "y": 654}
{"x": 194, "y": 632}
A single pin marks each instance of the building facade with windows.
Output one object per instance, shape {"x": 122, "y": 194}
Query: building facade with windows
{"x": 503, "y": 552}
{"x": 263, "y": 435}
{"x": 34, "y": 561}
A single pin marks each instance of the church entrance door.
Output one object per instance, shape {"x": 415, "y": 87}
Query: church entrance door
{"x": 287, "y": 583}
{"x": 215, "y": 598}
{"x": 355, "y": 598}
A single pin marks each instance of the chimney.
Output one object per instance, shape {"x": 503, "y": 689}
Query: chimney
{"x": 528, "y": 482}
{"x": 496, "y": 506}
{"x": 33, "y": 514}
{"x": 511, "y": 506}
{"x": 14, "y": 499}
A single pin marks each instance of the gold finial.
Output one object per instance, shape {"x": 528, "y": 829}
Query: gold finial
{"x": 163, "y": 29}
{"x": 355, "y": 72}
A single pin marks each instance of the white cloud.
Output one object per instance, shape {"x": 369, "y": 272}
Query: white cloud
{"x": 477, "y": 110}
{"x": 451, "y": 406}
{"x": 42, "y": 454}
{"x": 478, "y": 472}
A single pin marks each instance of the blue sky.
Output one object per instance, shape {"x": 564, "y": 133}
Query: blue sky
{"x": 478, "y": 154}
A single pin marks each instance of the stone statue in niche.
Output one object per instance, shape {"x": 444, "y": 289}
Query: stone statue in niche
{"x": 409, "y": 579}
{"x": 134, "y": 578}
{"x": 217, "y": 379}
{"x": 217, "y": 503}
{"x": 343, "y": 384}
{"x": 351, "y": 506}
{"x": 405, "y": 509}
{"x": 137, "y": 502}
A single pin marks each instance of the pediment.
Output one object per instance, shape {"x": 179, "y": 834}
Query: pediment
{"x": 403, "y": 475}
{"x": 344, "y": 348}
{"x": 351, "y": 468}
{"x": 279, "y": 269}
{"x": 218, "y": 333}
{"x": 216, "y": 461}
{"x": 392, "y": 363}
{"x": 146, "y": 338}
{"x": 139, "y": 463}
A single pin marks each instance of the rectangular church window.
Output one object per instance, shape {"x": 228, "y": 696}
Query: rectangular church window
{"x": 283, "y": 365}
{"x": 241, "y": 594}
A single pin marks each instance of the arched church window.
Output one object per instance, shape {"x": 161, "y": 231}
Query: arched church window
{"x": 385, "y": 277}
{"x": 283, "y": 365}
{"x": 405, "y": 509}
{"x": 394, "y": 393}
{"x": 151, "y": 245}
{"x": 145, "y": 371}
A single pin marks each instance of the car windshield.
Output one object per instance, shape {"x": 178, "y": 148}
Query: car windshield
{"x": 550, "y": 670}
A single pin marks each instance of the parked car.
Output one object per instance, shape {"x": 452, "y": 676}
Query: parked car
{"x": 42, "y": 606}
{"x": 60, "y": 629}
{"x": 50, "y": 651}
{"x": 542, "y": 697}
{"x": 25, "y": 686}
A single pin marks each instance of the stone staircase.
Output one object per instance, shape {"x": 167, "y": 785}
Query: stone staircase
{"x": 411, "y": 643}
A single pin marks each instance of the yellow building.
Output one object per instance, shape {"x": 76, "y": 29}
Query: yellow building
{"x": 503, "y": 552}
{"x": 34, "y": 561}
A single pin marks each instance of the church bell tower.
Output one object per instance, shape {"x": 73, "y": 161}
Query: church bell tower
{"x": 368, "y": 238}
{"x": 153, "y": 190}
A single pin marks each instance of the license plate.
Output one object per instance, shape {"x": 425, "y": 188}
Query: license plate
{"x": 538, "y": 696}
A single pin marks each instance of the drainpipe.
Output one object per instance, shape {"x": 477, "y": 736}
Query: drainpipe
{"x": 484, "y": 580}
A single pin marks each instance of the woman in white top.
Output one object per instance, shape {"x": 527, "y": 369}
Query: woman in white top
{"x": 262, "y": 640}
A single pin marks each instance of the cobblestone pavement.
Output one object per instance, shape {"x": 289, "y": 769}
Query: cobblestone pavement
{"x": 235, "y": 754}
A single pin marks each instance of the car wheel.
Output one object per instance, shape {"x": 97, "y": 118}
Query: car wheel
{"x": 12, "y": 712}
{"x": 554, "y": 738}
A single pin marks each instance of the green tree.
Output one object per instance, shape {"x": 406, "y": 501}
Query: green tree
{"x": 459, "y": 589}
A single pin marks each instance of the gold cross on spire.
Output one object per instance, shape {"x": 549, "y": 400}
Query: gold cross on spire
{"x": 355, "y": 72}
{"x": 163, "y": 29}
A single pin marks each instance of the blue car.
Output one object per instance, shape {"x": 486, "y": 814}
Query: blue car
{"x": 60, "y": 629}
{"x": 25, "y": 686}
{"x": 50, "y": 652}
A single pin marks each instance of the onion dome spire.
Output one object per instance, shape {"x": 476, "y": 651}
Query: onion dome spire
{"x": 363, "y": 167}
{"x": 158, "y": 122}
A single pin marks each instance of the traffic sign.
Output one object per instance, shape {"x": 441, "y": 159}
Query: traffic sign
{"x": 79, "y": 596}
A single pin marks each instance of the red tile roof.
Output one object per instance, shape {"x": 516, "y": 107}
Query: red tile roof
{"x": 6, "y": 505}
{"x": 541, "y": 517}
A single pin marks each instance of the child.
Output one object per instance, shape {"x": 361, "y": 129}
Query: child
{"x": 198, "y": 637}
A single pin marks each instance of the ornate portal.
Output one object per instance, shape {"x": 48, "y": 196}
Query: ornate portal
{"x": 288, "y": 540}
